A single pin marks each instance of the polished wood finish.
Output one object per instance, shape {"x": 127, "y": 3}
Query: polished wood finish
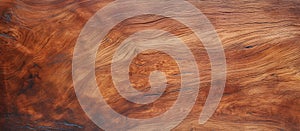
{"x": 261, "y": 40}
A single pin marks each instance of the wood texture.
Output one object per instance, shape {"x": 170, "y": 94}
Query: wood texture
{"x": 261, "y": 40}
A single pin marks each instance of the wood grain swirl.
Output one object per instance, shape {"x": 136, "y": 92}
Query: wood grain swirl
{"x": 261, "y": 40}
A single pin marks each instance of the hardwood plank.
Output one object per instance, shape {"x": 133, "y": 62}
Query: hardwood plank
{"x": 261, "y": 41}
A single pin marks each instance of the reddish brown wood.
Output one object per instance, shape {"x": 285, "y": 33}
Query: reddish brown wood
{"x": 261, "y": 40}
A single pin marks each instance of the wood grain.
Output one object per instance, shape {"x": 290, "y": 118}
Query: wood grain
{"x": 261, "y": 40}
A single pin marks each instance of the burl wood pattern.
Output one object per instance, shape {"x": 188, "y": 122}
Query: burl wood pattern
{"x": 261, "y": 40}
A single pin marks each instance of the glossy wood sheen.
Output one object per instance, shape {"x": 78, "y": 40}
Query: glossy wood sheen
{"x": 261, "y": 40}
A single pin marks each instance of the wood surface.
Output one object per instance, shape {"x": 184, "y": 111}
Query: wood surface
{"x": 261, "y": 40}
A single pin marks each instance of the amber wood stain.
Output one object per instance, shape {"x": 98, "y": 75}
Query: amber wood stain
{"x": 261, "y": 40}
